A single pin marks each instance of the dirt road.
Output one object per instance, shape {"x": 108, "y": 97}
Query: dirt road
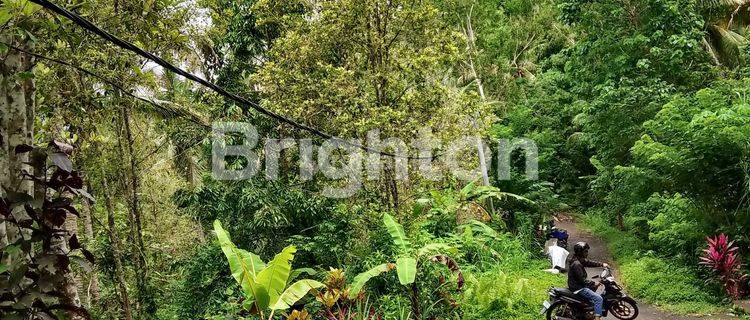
{"x": 600, "y": 252}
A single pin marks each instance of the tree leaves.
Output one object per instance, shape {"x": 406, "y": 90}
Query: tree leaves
{"x": 62, "y": 161}
{"x": 435, "y": 248}
{"x": 452, "y": 265}
{"x": 23, "y": 148}
{"x": 419, "y": 206}
{"x": 361, "y": 279}
{"x": 298, "y": 272}
{"x": 295, "y": 292}
{"x": 397, "y": 233}
{"x": 406, "y": 268}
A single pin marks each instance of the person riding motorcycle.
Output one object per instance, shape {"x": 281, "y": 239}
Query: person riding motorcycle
{"x": 578, "y": 280}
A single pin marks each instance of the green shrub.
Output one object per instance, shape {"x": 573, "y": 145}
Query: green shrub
{"x": 509, "y": 284}
{"x": 669, "y": 224}
{"x": 202, "y": 288}
{"x": 675, "y": 230}
{"x": 665, "y": 284}
{"x": 622, "y": 245}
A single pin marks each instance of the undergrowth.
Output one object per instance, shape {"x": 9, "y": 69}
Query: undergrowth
{"x": 512, "y": 288}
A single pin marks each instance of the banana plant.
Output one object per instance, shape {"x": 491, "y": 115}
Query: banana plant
{"x": 265, "y": 285}
{"x": 407, "y": 262}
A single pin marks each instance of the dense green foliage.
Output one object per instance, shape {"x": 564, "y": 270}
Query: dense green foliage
{"x": 639, "y": 110}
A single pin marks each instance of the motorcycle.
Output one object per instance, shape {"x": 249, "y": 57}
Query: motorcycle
{"x": 563, "y": 304}
{"x": 561, "y": 235}
{"x": 553, "y": 232}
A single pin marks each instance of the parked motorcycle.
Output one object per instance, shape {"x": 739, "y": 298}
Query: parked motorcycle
{"x": 563, "y": 304}
{"x": 550, "y": 231}
{"x": 561, "y": 235}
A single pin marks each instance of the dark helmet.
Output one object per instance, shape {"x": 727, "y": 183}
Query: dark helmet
{"x": 581, "y": 249}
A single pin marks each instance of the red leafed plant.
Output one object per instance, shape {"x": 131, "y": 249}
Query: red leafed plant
{"x": 722, "y": 258}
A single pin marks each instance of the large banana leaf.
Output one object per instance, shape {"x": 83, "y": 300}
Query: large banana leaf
{"x": 397, "y": 233}
{"x": 359, "y": 280}
{"x": 472, "y": 192}
{"x": 244, "y": 265}
{"x": 295, "y": 292}
{"x": 727, "y": 44}
{"x": 406, "y": 268}
{"x": 484, "y": 229}
{"x": 273, "y": 278}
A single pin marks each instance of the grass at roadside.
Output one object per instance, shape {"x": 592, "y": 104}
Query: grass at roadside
{"x": 506, "y": 292}
{"x": 653, "y": 279}
{"x": 507, "y": 283}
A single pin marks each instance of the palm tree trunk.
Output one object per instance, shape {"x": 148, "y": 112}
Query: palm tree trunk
{"x": 480, "y": 87}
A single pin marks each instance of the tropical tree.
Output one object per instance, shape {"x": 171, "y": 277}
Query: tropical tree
{"x": 726, "y": 23}
{"x": 350, "y": 67}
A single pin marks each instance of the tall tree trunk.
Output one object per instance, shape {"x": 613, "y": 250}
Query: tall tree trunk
{"x": 60, "y": 245}
{"x": 5, "y": 111}
{"x": 391, "y": 187}
{"x": 17, "y": 111}
{"x": 192, "y": 172}
{"x": 116, "y": 253}
{"x": 14, "y": 115}
{"x": 92, "y": 290}
{"x": 480, "y": 87}
{"x": 16, "y": 120}
{"x": 135, "y": 214}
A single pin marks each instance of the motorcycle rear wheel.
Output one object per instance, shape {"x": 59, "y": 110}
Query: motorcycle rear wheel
{"x": 560, "y": 310}
{"x": 625, "y": 309}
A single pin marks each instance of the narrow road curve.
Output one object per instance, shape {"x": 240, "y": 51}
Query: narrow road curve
{"x": 600, "y": 252}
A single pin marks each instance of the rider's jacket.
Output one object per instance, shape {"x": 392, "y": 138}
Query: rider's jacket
{"x": 577, "y": 276}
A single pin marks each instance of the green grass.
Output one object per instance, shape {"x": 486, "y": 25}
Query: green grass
{"x": 509, "y": 291}
{"x": 656, "y": 280}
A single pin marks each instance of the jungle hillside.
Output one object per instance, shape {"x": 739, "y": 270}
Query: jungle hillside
{"x": 370, "y": 159}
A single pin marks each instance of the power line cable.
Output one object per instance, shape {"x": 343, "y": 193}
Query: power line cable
{"x": 88, "y": 25}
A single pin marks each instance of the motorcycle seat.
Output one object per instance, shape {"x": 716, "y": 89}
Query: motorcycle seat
{"x": 566, "y": 292}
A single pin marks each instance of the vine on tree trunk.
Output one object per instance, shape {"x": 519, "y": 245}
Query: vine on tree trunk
{"x": 37, "y": 283}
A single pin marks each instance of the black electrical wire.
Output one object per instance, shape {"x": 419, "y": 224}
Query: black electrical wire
{"x": 88, "y": 25}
